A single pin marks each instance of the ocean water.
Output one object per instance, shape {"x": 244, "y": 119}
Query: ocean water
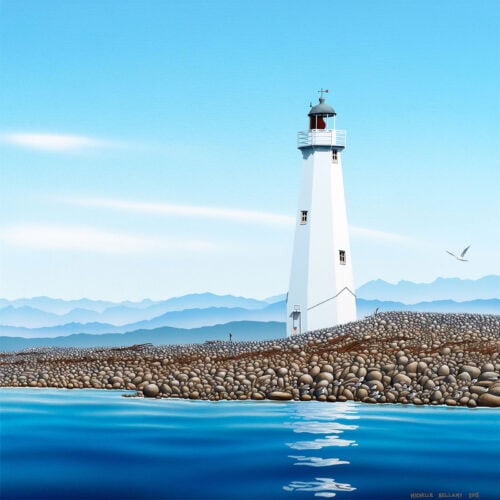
{"x": 89, "y": 444}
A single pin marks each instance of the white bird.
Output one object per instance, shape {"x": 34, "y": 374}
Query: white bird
{"x": 461, "y": 258}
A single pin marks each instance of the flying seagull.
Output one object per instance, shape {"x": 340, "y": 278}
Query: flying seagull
{"x": 464, "y": 251}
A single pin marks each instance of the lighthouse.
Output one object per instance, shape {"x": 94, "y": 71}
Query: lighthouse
{"x": 321, "y": 292}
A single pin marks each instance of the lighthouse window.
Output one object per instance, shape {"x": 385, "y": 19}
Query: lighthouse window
{"x": 334, "y": 155}
{"x": 342, "y": 257}
{"x": 303, "y": 217}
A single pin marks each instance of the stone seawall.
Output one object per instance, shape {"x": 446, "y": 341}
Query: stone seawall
{"x": 398, "y": 357}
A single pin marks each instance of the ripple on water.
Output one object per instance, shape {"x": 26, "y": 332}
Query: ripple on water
{"x": 321, "y": 487}
{"x": 317, "y": 461}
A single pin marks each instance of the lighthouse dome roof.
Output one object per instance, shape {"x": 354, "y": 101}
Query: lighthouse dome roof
{"x": 322, "y": 109}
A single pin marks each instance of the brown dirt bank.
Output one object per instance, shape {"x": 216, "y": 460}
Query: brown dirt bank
{"x": 399, "y": 357}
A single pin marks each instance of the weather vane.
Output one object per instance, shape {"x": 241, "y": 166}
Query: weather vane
{"x": 322, "y": 91}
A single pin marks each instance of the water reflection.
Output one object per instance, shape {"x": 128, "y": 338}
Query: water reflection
{"x": 327, "y": 423}
{"x": 322, "y": 427}
{"x": 316, "y": 461}
{"x": 322, "y": 487}
{"x": 326, "y": 411}
{"x": 318, "y": 444}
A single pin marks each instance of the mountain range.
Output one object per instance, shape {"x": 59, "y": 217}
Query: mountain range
{"x": 455, "y": 289}
{"x": 241, "y": 330}
{"x": 44, "y": 317}
{"x": 195, "y": 318}
{"x": 187, "y": 318}
{"x": 41, "y": 312}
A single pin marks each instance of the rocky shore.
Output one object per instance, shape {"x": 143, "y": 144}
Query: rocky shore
{"x": 398, "y": 357}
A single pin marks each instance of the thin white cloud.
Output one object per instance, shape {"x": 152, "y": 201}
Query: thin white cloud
{"x": 375, "y": 234}
{"x": 47, "y": 237}
{"x": 183, "y": 210}
{"x": 161, "y": 208}
{"x": 52, "y": 142}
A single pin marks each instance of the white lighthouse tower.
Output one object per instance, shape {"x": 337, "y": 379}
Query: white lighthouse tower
{"x": 321, "y": 292}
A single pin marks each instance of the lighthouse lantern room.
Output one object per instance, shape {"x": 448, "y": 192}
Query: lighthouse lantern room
{"x": 321, "y": 291}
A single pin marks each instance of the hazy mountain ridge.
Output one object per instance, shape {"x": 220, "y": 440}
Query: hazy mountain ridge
{"x": 241, "y": 330}
{"x": 17, "y": 318}
{"x": 59, "y": 306}
{"x": 24, "y": 313}
{"x": 58, "y": 330}
{"x": 194, "y": 318}
{"x": 27, "y": 316}
{"x": 456, "y": 289}
{"x": 481, "y": 306}
{"x": 188, "y": 318}
{"x": 276, "y": 298}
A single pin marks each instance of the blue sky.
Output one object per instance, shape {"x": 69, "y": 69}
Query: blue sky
{"x": 148, "y": 149}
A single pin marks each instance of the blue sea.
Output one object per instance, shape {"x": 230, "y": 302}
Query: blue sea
{"x": 90, "y": 444}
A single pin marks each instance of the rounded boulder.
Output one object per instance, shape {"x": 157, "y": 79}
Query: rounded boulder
{"x": 280, "y": 396}
{"x": 488, "y": 399}
{"x": 305, "y": 379}
{"x": 151, "y": 391}
{"x": 401, "y": 378}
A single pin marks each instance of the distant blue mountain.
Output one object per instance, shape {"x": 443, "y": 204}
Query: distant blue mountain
{"x": 107, "y": 335}
{"x": 205, "y": 300}
{"x": 486, "y": 306}
{"x": 27, "y": 316}
{"x": 456, "y": 289}
{"x": 59, "y": 330}
{"x": 31, "y": 317}
{"x": 241, "y": 330}
{"x": 189, "y": 318}
{"x": 17, "y": 313}
{"x": 24, "y": 318}
{"x": 58, "y": 306}
{"x": 119, "y": 315}
{"x": 275, "y": 298}
{"x": 192, "y": 318}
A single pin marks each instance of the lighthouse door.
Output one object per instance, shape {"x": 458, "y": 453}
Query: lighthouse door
{"x": 296, "y": 321}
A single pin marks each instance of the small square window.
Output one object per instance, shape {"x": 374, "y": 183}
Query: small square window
{"x": 303, "y": 217}
{"x": 342, "y": 257}
{"x": 334, "y": 155}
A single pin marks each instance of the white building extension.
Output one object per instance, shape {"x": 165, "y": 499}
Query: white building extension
{"x": 321, "y": 292}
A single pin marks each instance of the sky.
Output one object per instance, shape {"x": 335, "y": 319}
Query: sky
{"x": 148, "y": 149}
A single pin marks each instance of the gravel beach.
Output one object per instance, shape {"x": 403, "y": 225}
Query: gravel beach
{"x": 395, "y": 357}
